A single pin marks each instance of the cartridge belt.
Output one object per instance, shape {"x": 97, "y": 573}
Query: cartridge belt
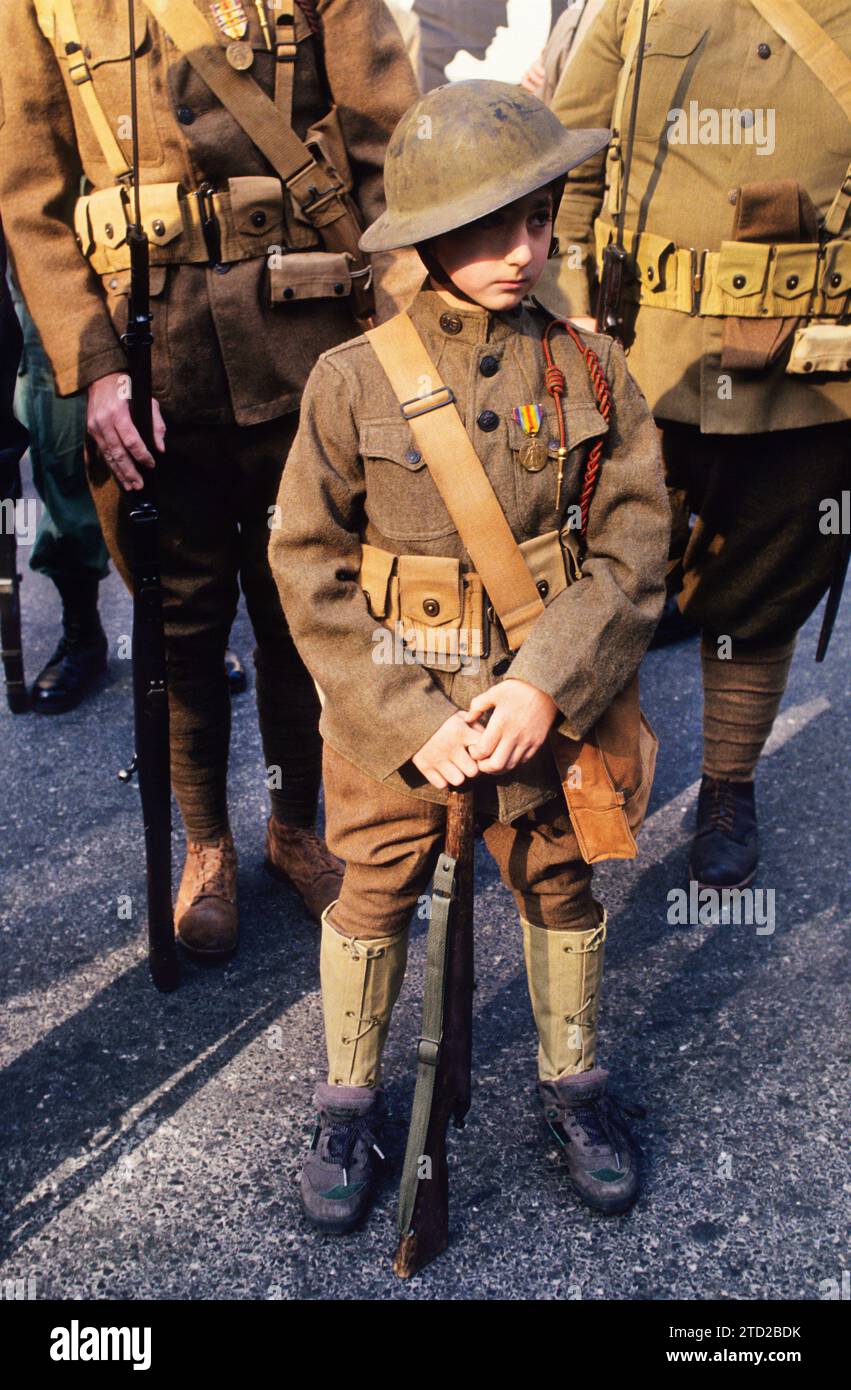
{"x": 744, "y": 279}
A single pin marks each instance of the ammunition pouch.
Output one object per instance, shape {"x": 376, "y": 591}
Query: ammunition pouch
{"x": 439, "y": 610}
{"x": 249, "y": 221}
{"x": 744, "y": 279}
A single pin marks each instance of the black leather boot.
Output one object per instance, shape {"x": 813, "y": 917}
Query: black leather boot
{"x": 724, "y": 851}
{"x": 81, "y": 655}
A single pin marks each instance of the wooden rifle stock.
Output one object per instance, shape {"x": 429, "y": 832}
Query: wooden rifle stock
{"x": 445, "y": 1049}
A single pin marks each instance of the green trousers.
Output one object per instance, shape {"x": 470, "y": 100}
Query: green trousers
{"x": 68, "y": 542}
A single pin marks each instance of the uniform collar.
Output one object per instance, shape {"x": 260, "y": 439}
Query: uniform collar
{"x": 433, "y": 316}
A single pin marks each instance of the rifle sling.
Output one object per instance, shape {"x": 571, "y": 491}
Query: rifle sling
{"x": 431, "y": 1037}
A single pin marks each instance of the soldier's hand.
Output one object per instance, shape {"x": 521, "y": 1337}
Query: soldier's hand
{"x": 522, "y": 717}
{"x": 534, "y": 78}
{"x": 443, "y": 759}
{"x": 110, "y": 425}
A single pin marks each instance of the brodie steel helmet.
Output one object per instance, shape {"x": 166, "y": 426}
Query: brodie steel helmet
{"x": 463, "y": 151}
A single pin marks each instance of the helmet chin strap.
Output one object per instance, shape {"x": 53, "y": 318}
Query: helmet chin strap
{"x": 439, "y": 275}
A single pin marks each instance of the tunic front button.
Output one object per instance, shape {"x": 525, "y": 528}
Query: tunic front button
{"x": 450, "y": 323}
{"x": 489, "y": 366}
{"x": 413, "y": 456}
{"x": 487, "y": 420}
{"x": 185, "y": 115}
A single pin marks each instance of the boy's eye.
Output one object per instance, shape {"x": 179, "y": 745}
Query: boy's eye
{"x": 541, "y": 218}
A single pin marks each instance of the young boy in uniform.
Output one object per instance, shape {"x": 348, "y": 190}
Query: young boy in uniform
{"x": 367, "y": 546}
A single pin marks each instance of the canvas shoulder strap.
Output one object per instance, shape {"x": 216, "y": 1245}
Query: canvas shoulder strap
{"x": 68, "y": 34}
{"x": 457, "y": 470}
{"x": 831, "y": 66}
{"x": 237, "y": 91}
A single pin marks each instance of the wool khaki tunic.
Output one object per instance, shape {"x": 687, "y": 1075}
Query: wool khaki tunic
{"x": 722, "y": 56}
{"x": 355, "y": 475}
{"x": 223, "y": 353}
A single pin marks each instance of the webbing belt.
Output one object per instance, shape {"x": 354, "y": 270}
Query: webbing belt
{"x": 745, "y": 279}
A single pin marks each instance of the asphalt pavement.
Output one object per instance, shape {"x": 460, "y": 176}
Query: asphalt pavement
{"x": 151, "y": 1144}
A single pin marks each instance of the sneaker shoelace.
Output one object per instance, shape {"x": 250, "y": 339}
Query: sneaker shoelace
{"x": 342, "y": 1138}
{"x": 603, "y": 1121}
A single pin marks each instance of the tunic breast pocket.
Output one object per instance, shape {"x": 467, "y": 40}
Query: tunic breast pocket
{"x": 105, "y": 36}
{"x": 669, "y": 57}
{"x": 536, "y": 468}
{"x": 402, "y": 501}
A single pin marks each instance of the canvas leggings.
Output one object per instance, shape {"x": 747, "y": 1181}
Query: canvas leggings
{"x": 390, "y": 842}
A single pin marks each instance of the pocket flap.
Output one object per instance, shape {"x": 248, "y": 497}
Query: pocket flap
{"x": 118, "y": 281}
{"x": 310, "y": 275}
{"x": 390, "y": 439}
{"x": 581, "y": 421}
{"x": 742, "y": 267}
{"x": 107, "y": 218}
{"x": 794, "y": 271}
{"x": 257, "y": 204}
{"x": 105, "y": 32}
{"x": 670, "y": 39}
{"x": 161, "y": 205}
{"x": 82, "y": 227}
{"x": 836, "y": 279}
{"x": 545, "y": 558}
{"x": 430, "y": 589}
{"x": 376, "y": 570}
{"x": 655, "y": 263}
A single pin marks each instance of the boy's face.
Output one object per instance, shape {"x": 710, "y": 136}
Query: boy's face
{"x": 499, "y": 259}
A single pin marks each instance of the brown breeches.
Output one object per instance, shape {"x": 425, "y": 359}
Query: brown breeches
{"x": 756, "y": 563}
{"x": 217, "y": 488}
{"x": 390, "y": 843}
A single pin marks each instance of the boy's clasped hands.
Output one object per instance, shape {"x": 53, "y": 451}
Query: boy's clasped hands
{"x": 522, "y": 716}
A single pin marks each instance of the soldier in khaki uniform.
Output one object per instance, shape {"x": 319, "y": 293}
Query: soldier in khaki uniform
{"x": 737, "y": 228}
{"x": 369, "y": 546}
{"x": 244, "y": 300}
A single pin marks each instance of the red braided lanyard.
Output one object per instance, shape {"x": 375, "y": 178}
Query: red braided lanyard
{"x": 555, "y": 384}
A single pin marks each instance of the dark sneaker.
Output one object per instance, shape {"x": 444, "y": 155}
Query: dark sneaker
{"x": 724, "y": 851}
{"x": 235, "y": 672}
{"x": 338, "y": 1175}
{"x": 592, "y": 1129}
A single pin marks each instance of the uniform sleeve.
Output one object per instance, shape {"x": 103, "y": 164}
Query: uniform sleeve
{"x": 373, "y": 85}
{"x": 40, "y": 176}
{"x": 583, "y": 98}
{"x": 590, "y": 639}
{"x": 383, "y": 712}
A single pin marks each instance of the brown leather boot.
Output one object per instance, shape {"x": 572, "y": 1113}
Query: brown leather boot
{"x": 299, "y": 857}
{"x": 206, "y": 916}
